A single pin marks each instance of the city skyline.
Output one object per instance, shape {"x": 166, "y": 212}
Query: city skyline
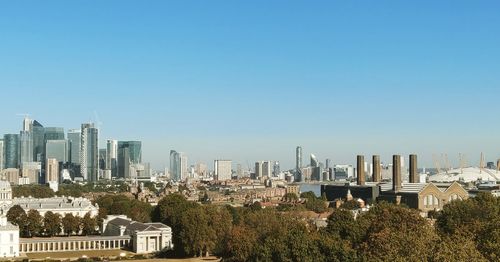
{"x": 252, "y": 81}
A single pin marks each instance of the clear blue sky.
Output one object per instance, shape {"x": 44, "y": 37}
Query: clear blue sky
{"x": 250, "y": 80}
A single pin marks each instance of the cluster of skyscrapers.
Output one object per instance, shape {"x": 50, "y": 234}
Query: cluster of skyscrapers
{"x": 41, "y": 154}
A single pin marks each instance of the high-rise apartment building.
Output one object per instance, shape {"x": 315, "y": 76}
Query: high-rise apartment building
{"x": 89, "y": 169}
{"x": 223, "y": 169}
{"x": 52, "y": 170}
{"x": 298, "y": 163}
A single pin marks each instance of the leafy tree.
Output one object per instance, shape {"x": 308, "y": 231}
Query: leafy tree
{"x": 308, "y": 195}
{"x": 341, "y": 223}
{"x": 52, "y": 224}
{"x": 36, "y": 191}
{"x": 291, "y": 197}
{"x": 316, "y": 205}
{"x": 256, "y": 206}
{"x": 457, "y": 247}
{"x": 88, "y": 224}
{"x": 34, "y": 223}
{"x": 350, "y": 205}
{"x": 71, "y": 224}
{"x": 17, "y": 216}
{"x": 120, "y": 204}
{"x": 170, "y": 211}
{"x": 394, "y": 233}
{"x": 197, "y": 237}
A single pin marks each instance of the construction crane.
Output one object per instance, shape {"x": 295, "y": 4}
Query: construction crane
{"x": 436, "y": 164}
{"x": 447, "y": 162}
{"x": 463, "y": 162}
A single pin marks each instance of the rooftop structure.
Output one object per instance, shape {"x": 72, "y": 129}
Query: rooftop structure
{"x": 466, "y": 175}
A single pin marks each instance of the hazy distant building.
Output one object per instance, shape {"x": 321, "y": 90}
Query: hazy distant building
{"x": 38, "y": 133}
{"x": 51, "y": 133}
{"x": 52, "y": 170}
{"x": 11, "y": 175}
{"x": 26, "y": 146}
{"x": 57, "y": 149}
{"x": 276, "y": 169}
{"x": 31, "y": 173}
{"x": 89, "y": 169}
{"x": 223, "y": 169}
{"x": 2, "y": 156}
{"x": 102, "y": 158}
{"x": 298, "y": 163}
{"x": 129, "y": 152}
{"x": 27, "y": 124}
{"x": 258, "y": 170}
{"x": 74, "y": 140}
{"x": 201, "y": 169}
{"x": 343, "y": 172}
{"x": 178, "y": 166}
{"x": 11, "y": 150}
{"x": 112, "y": 157}
{"x": 266, "y": 169}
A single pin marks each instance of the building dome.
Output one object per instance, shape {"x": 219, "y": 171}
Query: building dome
{"x": 5, "y": 193}
{"x": 5, "y": 186}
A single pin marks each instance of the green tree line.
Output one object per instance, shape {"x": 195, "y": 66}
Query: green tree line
{"x": 463, "y": 231}
{"x": 32, "y": 224}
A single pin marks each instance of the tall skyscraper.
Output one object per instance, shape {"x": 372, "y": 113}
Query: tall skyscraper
{"x": 57, "y": 149}
{"x": 276, "y": 169}
{"x": 2, "y": 156}
{"x": 25, "y": 146}
{"x": 54, "y": 133}
{"x": 11, "y": 150}
{"x": 89, "y": 152}
{"x": 298, "y": 164}
{"x": 129, "y": 152}
{"x": 266, "y": 169}
{"x": 112, "y": 157}
{"x": 183, "y": 166}
{"x": 102, "y": 158}
{"x": 258, "y": 170}
{"x": 74, "y": 141}
{"x": 178, "y": 166}
{"x": 27, "y": 124}
{"x": 38, "y": 141}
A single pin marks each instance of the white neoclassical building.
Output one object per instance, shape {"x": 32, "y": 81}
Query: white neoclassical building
{"x": 145, "y": 237}
{"x": 9, "y": 238}
{"x": 59, "y": 205}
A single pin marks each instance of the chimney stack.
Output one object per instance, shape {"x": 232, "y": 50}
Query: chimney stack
{"x": 376, "y": 169}
{"x": 414, "y": 176}
{"x": 361, "y": 170}
{"x": 396, "y": 173}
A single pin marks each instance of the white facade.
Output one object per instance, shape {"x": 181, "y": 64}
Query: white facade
{"x": 58, "y": 205}
{"x": 146, "y": 237}
{"x": 9, "y": 238}
{"x": 223, "y": 169}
